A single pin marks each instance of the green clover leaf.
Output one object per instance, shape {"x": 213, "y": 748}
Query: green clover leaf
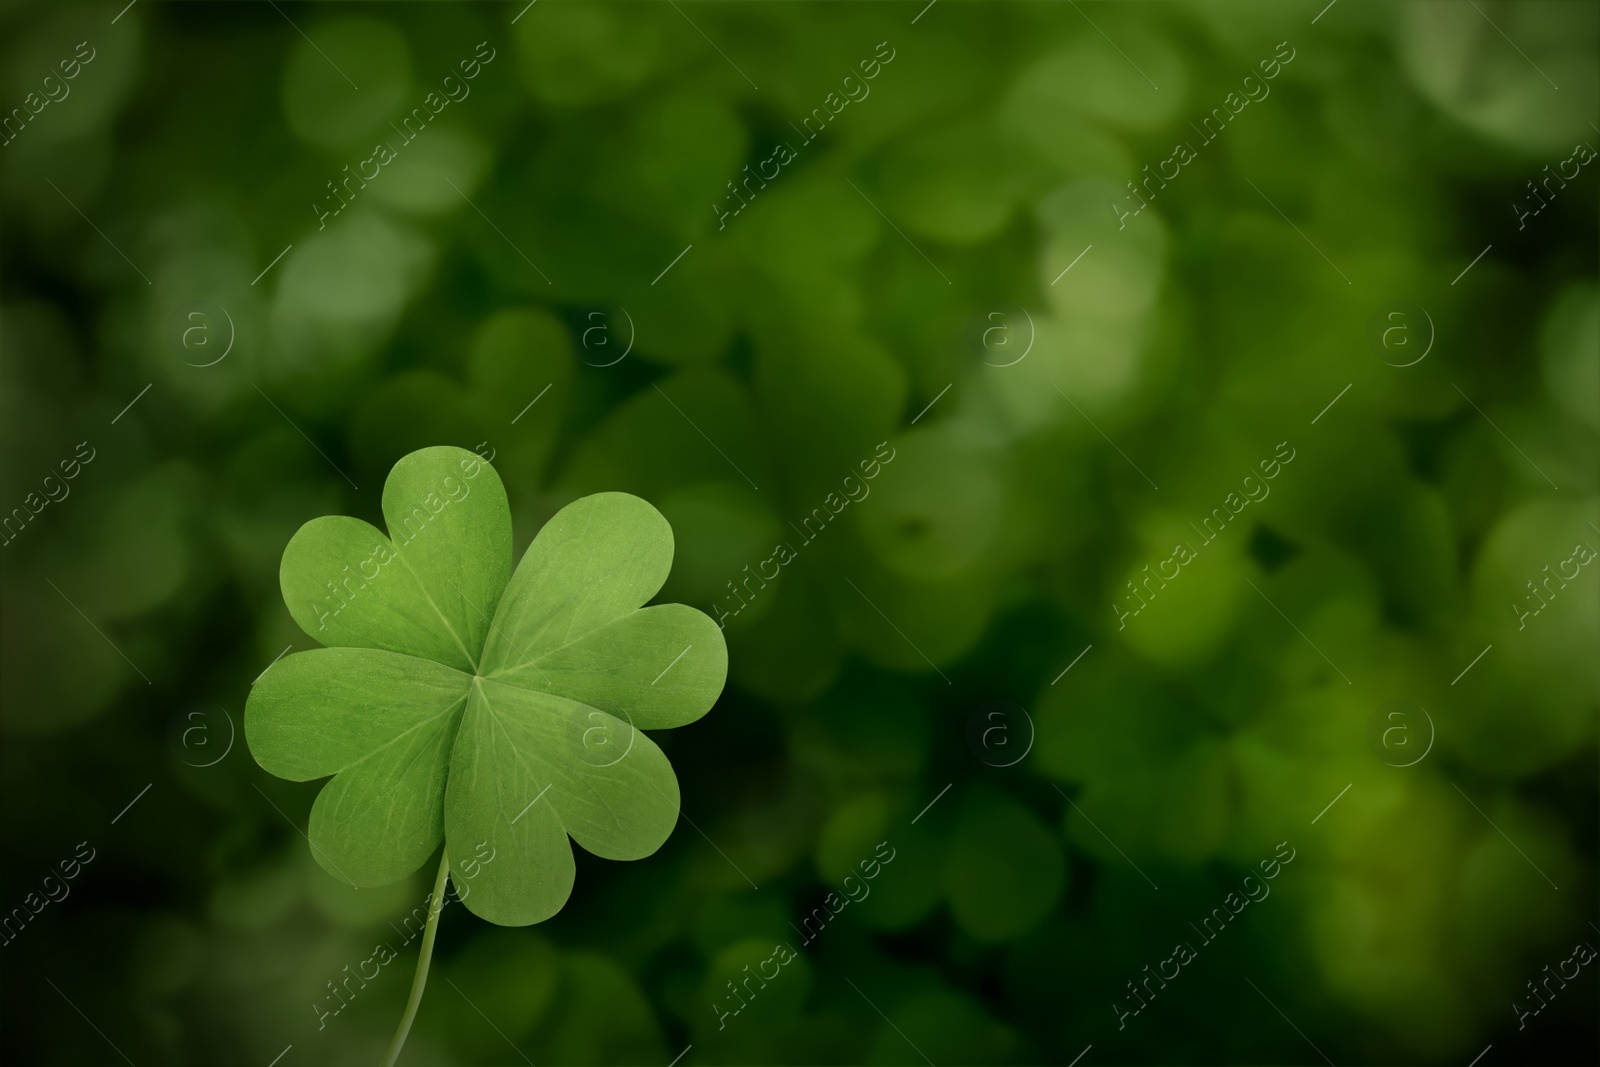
{"x": 501, "y": 712}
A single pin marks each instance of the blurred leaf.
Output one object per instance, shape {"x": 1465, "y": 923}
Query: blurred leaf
{"x": 1004, "y": 870}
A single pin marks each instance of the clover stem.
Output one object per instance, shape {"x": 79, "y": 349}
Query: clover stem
{"x": 435, "y": 906}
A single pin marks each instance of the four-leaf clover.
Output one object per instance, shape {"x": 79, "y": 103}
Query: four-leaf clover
{"x": 457, "y": 700}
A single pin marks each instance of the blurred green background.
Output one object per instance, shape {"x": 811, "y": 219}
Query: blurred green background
{"x": 914, "y": 253}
